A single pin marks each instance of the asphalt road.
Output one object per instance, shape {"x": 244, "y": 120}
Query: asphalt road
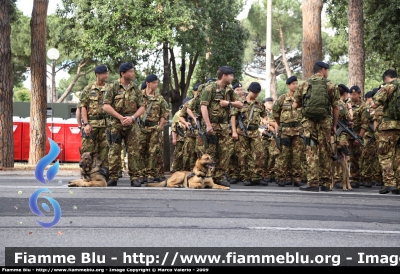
{"x": 256, "y": 216}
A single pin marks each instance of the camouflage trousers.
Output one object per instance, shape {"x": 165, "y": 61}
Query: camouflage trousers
{"x": 96, "y": 142}
{"x": 234, "y": 168}
{"x": 370, "y": 169}
{"x": 128, "y": 135}
{"x": 177, "y": 163}
{"x": 318, "y": 151}
{"x": 249, "y": 154}
{"x": 220, "y": 152}
{"x": 189, "y": 153}
{"x": 273, "y": 154}
{"x": 150, "y": 149}
{"x": 123, "y": 155}
{"x": 389, "y": 156}
{"x": 356, "y": 151}
{"x": 288, "y": 165}
{"x": 160, "y": 163}
{"x": 264, "y": 170}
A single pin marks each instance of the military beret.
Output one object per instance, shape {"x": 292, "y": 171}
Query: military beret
{"x": 344, "y": 87}
{"x": 125, "y": 66}
{"x": 322, "y": 64}
{"x": 237, "y": 85}
{"x": 187, "y": 99}
{"x": 100, "y": 69}
{"x": 151, "y": 78}
{"x": 226, "y": 70}
{"x": 355, "y": 89}
{"x": 369, "y": 94}
{"x": 143, "y": 86}
{"x": 210, "y": 80}
{"x": 291, "y": 80}
{"x": 254, "y": 87}
{"x": 196, "y": 87}
{"x": 269, "y": 99}
{"x": 374, "y": 91}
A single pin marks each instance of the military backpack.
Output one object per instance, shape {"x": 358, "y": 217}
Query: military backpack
{"x": 316, "y": 100}
{"x": 393, "y": 104}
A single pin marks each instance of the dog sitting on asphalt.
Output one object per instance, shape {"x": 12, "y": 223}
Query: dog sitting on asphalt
{"x": 92, "y": 172}
{"x": 199, "y": 178}
{"x": 341, "y": 166}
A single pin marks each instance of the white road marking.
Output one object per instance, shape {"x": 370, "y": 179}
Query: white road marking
{"x": 325, "y": 230}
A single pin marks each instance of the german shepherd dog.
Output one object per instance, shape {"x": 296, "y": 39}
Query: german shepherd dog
{"x": 341, "y": 166}
{"x": 92, "y": 172}
{"x": 199, "y": 178}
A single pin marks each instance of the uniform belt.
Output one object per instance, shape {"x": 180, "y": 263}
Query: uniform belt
{"x": 357, "y": 129}
{"x": 125, "y": 115}
{"x": 219, "y": 120}
{"x": 385, "y": 119}
{"x": 296, "y": 124}
{"x": 252, "y": 127}
{"x": 97, "y": 117}
{"x": 150, "y": 124}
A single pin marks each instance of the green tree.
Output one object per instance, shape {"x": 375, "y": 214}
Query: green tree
{"x": 21, "y": 94}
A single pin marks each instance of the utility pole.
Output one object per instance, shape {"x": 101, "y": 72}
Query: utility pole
{"x": 268, "y": 49}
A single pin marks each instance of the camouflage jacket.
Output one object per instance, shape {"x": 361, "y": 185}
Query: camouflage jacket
{"x": 185, "y": 115}
{"x": 125, "y": 100}
{"x": 92, "y": 98}
{"x": 259, "y": 113}
{"x": 283, "y": 110}
{"x": 158, "y": 108}
{"x": 359, "y": 116}
{"x": 334, "y": 95}
{"x": 175, "y": 121}
{"x": 210, "y": 97}
{"x": 381, "y": 98}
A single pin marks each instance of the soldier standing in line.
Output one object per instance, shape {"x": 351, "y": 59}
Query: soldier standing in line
{"x": 151, "y": 126}
{"x": 288, "y": 169}
{"x": 178, "y": 139}
{"x": 389, "y": 132}
{"x": 318, "y": 96}
{"x": 377, "y": 119}
{"x": 94, "y": 117}
{"x": 124, "y": 104}
{"x": 216, "y": 101}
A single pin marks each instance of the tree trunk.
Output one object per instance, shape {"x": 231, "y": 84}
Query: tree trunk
{"x": 6, "y": 89}
{"x": 77, "y": 76}
{"x": 312, "y": 39}
{"x": 284, "y": 59}
{"x": 192, "y": 65}
{"x": 274, "y": 93}
{"x": 38, "y": 112}
{"x": 183, "y": 72}
{"x": 356, "y": 44}
{"x": 167, "y": 73}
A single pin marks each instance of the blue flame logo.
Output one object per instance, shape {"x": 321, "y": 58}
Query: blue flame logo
{"x": 51, "y": 173}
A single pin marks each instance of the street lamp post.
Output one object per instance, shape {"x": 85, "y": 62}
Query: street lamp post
{"x": 53, "y": 54}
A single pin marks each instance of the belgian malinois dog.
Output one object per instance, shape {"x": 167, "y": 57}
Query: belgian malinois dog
{"x": 92, "y": 172}
{"x": 341, "y": 166}
{"x": 199, "y": 178}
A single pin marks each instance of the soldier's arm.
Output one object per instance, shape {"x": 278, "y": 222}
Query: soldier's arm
{"x": 298, "y": 96}
{"x": 234, "y": 129}
{"x": 236, "y": 101}
{"x": 163, "y": 118}
{"x": 335, "y": 106}
{"x": 364, "y": 122}
{"x": 276, "y": 110}
{"x": 78, "y": 116}
{"x": 205, "y": 103}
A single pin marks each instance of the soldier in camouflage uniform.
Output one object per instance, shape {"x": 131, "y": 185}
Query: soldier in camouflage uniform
{"x": 369, "y": 162}
{"x": 316, "y": 100}
{"x": 388, "y": 132}
{"x": 270, "y": 151}
{"x": 288, "y": 167}
{"x": 216, "y": 100}
{"x": 359, "y": 109}
{"x": 377, "y": 119}
{"x": 123, "y": 102}
{"x": 188, "y": 119}
{"x": 245, "y": 130}
{"x": 151, "y": 126}
{"x": 94, "y": 117}
{"x": 161, "y": 169}
{"x": 178, "y": 139}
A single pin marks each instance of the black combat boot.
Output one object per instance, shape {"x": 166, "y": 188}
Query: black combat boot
{"x": 281, "y": 182}
{"x": 136, "y": 183}
{"x": 111, "y": 182}
{"x": 307, "y": 187}
{"x": 387, "y": 189}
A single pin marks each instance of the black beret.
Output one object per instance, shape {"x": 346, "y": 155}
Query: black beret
{"x": 187, "y": 99}
{"x": 291, "y": 80}
{"x": 151, "y": 78}
{"x": 344, "y": 87}
{"x": 210, "y": 80}
{"x": 355, "y": 89}
{"x": 196, "y": 87}
{"x": 100, "y": 69}
{"x": 226, "y": 70}
{"x": 369, "y": 94}
{"x": 374, "y": 91}
{"x": 125, "y": 66}
{"x": 254, "y": 87}
{"x": 143, "y": 86}
{"x": 269, "y": 99}
{"x": 322, "y": 64}
{"x": 237, "y": 85}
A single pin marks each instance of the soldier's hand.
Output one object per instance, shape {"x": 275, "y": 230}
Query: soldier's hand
{"x": 210, "y": 130}
{"x": 223, "y": 103}
{"x": 87, "y": 129}
{"x": 357, "y": 143}
{"x": 348, "y": 105}
{"x": 235, "y": 136}
{"x": 126, "y": 121}
{"x": 187, "y": 125}
{"x": 333, "y": 130}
